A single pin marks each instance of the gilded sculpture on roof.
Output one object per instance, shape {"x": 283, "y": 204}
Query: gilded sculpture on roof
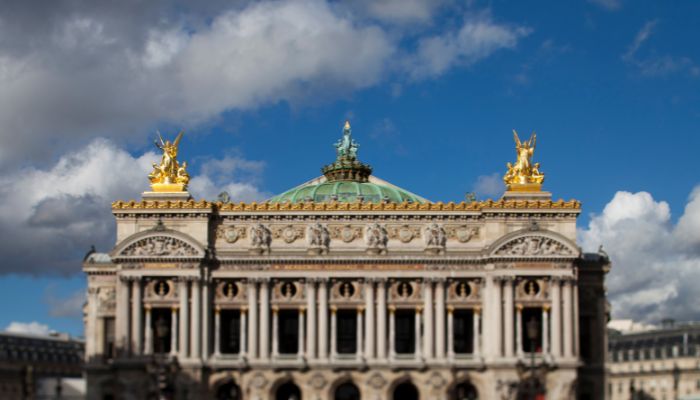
{"x": 524, "y": 175}
{"x": 169, "y": 175}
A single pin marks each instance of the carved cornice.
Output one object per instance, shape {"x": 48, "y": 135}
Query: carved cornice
{"x": 338, "y": 206}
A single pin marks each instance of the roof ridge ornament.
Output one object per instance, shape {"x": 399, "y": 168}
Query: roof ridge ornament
{"x": 524, "y": 176}
{"x": 346, "y": 166}
{"x": 170, "y": 175}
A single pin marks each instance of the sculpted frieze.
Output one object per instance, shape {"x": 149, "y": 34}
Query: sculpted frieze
{"x": 534, "y": 246}
{"x": 160, "y": 246}
{"x": 260, "y": 238}
{"x": 346, "y": 233}
{"x": 404, "y": 233}
{"x": 376, "y": 238}
{"x": 288, "y": 233}
{"x": 107, "y": 300}
{"x": 230, "y": 233}
{"x": 461, "y": 233}
{"x": 435, "y": 236}
{"x": 317, "y": 237}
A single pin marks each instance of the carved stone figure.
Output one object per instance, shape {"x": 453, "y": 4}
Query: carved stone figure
{"x": 317, "y": 236}
{"x": 435, "y": 236}
{"x": 160, "y": 246}
{"x": 534, "y": 246}
{"x": 376, "y": 237}
{"x": 260, "y": 237}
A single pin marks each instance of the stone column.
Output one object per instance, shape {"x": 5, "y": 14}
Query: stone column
{"x": 545, "y": 329}
{"x": 173, "y": 329}
{"x": 556, "y": 317}
{"x": 519, "y": 329}
{"x": 440, "y": 319}
{"x": 359, "y": 333}
{"x": 148, "y": 341}
{"x": 498, "y": 317}
{"x": 122, "y": 316}
{"x": 206, "y": 318}
{"x": 253, "y": 319}
{"x": 264, "y": 319}
{"x": 508, "y": 316}
{"x": 392, "y": 332}
{"x": 311, "y": 320}
{"x": 381, "y": 319}
{"x": 476, "y": 331}
{"x": 93, "y": 338}
{"x": 577, "y": 341}
{"x": 334, "y": 332}
{"x": 323, "y": 319}
{"x": 196, "y": 321}
{"x": 418, "y": 352}
{"x": 275, "y": 332}
{"x": 369, "y": 320}
{"x": 450, "y": 333}
{"x": 244, "y": 329}
{"x": 428, "y": 341}
{"x": 300, "y": 346}
{"x": 217, "y": 331}
{"x": 568, "y": 319}
{"x": 184, "y": 318}
{"x": 136, "y": 317}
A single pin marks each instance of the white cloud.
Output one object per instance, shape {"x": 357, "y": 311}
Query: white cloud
{"x": 478, "y": 38}
{"x": 32, "y": 328}
{"x": 639, "y": 39}
{"x": 491, "y": 186}
{"x": 655, "y": 64}
{"x": 79, "y": 69}
{"x": 656, "y": 263}
{"x": 50, "y": 217}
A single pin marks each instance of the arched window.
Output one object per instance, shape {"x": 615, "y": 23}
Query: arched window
{"x": 347, "y": 391}
{"x": 465, "y": 391}
{"x": 406, "y": 391}
{"x": 228, "y": 391}
{"x": 288, "y": 391}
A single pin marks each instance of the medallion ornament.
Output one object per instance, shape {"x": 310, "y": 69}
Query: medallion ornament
{"x": 462, "y": 233}
{"x": 230, "y": 234}
{"x": 346, "y": 233}
{"x": 289, "y": 233}
{"x": 404, "y": 233}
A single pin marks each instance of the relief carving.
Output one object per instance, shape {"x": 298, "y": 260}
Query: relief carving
{"x": 160, "y": 246}
{"x": 284, "y": 291}
{"x": 289, "y": 233}
{"x": 376, "y": 238}
{"x": 404, "y": 233}
{"x": 404, "y": 290}
{"x": 435, "y": 237}
{"x": 462, "y": 233}
{"x": 107, "y": 297}
{"x": 260, "y": 237}
{"x": 230, "y": 234}
{"x": 346, "y": 290}
{"x": 317, "y": 237}
{"x": 346, "y": 233}
{"x": 534, "y": 246}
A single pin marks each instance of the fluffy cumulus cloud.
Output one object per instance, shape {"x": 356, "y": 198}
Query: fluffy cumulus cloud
{"x": 656, "y": 263}
{"x": 76, "y": 69}
{"x": 31, "y": 328}
{"x": 49, "y": 217}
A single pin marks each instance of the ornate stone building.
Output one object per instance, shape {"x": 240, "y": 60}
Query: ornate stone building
{"x": 346, "y": 287}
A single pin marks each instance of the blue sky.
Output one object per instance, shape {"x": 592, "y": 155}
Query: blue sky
{"x": 610, "y": 86}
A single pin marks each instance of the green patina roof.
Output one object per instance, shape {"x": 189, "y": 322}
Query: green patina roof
{"x": 347, "y": 180}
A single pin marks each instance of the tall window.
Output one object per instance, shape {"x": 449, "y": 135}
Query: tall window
{"x": 230, "y": 331}
{"x": 463, "y": 331}
{"x": 288, "y": 331}
{"x": 532, "y": 329}
{"x": 405, "y": 325}
{"x": 347, "y": 331}
{"x": 161, "y": 321}
{"x": 110, "y": 350}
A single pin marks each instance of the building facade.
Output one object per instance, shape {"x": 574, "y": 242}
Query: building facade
{"x": 41, "y": 367}
{"x": 655, "y": 364}
{"x": 346, "y": 287}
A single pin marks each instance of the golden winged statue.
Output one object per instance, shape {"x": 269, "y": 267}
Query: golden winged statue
{"x": 524, "y": 175}
{"x": 170, "y": 175}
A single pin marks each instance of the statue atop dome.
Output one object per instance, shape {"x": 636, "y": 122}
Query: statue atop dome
{"x": 170, "y": 175}
{"x": 524, "y": 176}
{"x": 346, "y": 147}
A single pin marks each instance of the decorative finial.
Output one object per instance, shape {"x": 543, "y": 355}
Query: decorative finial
{"x": 346, "y": 147}
{"x": 524, "y": 176}
{"x": 346, "y": 166}
{"x": 169, "y": 176}
{"x": 347, "y": 125}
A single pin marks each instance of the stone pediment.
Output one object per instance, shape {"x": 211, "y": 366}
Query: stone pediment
{"x": 162, "y": 244}
{"x": 535, "y": 244}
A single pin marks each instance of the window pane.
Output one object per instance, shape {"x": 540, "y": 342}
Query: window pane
{"x": 405, "y": 331}
{"x": 288, "y": 331}
{"x": 230, "y": 331}
{"x": 347, "y": 331}
{"x": 463, "y": 331}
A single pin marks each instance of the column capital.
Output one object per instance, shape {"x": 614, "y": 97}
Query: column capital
{"x": 244, "y": 309}
{"x": 275, "y": 309}
{"x": 546, "y": 307}
{"x": 302, "y": 309}
{"x": 450, "y": 309}
{"x": 519, "y": 306}
{"x": 360, "y": 309}
{"x": 419, "y": 309}
{"x": 147, "y": 307}
{"x": 392, "y": 308}
{"x": 217, "y": 309}
{"x": 334, "y": 309}
{"x": 477, "y": 310}
{"x": 174, "y": 308}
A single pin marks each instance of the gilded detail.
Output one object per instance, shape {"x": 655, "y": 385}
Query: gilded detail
{"x": 170, "y": 175}
{"x": 524, "y": 175}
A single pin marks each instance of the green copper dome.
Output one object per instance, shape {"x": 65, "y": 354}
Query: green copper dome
{"x": 347, "y": 180}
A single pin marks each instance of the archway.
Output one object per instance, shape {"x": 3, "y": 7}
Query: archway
{"x": 347, "y": 391}
{"x": 228, "y": 391}
{"x": 406, "y": 391}
{"x": 288, "y": 391}
{"x": 465, "y": 391}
